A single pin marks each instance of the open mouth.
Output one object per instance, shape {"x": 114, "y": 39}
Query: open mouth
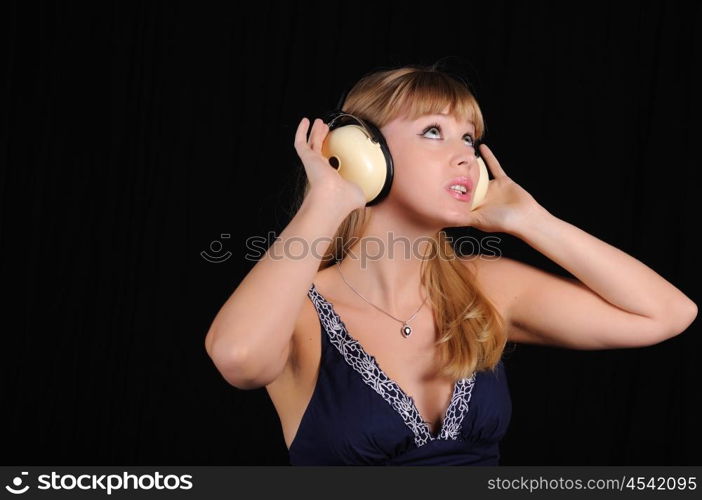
{"x": 461, "y": 194}
{"x": 461, "y": 188}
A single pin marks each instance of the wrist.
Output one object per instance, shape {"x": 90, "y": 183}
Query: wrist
{"x": 322, "y": 206}
{"x": 532, "y": 220}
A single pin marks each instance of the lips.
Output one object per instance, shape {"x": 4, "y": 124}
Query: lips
{"x": 463, "y": 181}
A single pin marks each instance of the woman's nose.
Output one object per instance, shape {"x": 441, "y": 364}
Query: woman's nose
{"x": 466, "y": 156}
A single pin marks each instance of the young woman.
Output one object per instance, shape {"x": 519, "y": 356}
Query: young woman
{"x": 385, "y": 346}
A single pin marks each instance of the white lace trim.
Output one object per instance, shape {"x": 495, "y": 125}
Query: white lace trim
{"x": 368, "y": 368}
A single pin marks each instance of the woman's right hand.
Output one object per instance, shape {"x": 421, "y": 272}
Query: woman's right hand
{"x": 325, "y": 181}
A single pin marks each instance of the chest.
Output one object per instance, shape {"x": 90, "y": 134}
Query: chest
{"x": 410, "y": 362}
{"x": 357, "y": 409}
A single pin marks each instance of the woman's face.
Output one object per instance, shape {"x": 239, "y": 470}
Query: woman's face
{"x": 427, "y": 160}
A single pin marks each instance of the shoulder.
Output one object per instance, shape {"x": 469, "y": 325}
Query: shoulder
{"x": 497, "y": 278}
{"x": 303, "y": 357}
{"x": 305, "y": 343}
{"x": 490, "y": 265}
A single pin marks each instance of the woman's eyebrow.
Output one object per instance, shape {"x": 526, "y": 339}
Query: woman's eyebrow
{"x": 445, "y": 115}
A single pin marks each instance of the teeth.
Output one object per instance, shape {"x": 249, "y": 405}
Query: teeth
{"x": 459, "y": 188}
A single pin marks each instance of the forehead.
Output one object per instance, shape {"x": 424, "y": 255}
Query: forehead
{"x": 443, "y": 117}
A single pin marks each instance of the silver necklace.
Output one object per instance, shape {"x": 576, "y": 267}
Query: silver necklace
{"x": 406, "y": 330}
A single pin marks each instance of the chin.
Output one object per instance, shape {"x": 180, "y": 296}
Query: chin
{"x": 446, "y": 215}
{"x": 447, "y": 218}
{"x": 456, "y": 222}
{"x": 457, "y": 214}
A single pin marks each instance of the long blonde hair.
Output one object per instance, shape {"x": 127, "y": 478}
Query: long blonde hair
{"x": 472, "y": 336}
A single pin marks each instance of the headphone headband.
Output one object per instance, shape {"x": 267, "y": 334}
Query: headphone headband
{"x": 337, "y": 118}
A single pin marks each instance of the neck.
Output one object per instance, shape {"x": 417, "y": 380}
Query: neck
{"x": 385, "y": 264}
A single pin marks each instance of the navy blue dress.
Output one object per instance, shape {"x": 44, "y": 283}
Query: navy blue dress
{"x": 359, "y": 416}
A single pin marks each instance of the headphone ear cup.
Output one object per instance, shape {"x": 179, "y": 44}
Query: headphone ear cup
{"x": 481, "y": 186}
{"x": 359, "y": 159}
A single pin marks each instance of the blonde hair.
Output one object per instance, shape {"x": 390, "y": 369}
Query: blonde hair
{"x": 472, "y": 336}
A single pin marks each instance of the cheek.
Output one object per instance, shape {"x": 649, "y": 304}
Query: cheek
{"x": 415, "y": 167}
{"x": 407, "y": 177}
{"x": 415, "y": 180}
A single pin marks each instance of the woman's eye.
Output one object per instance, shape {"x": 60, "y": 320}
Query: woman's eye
{"x": 437, "y": 128}
{"x": 430, "y": 128}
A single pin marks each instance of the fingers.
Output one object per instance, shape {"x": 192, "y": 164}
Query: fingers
{"x": 301, "y": 135}
{"x": 319, "y": 132}
{"x": 316, "y": 138}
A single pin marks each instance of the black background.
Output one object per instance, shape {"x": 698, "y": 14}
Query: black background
{"x": 135, "y": 134}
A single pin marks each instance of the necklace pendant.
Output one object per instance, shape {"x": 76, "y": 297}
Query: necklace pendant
{"x": 406, "y": 330}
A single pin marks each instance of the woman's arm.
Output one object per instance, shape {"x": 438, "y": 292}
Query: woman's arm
{"x": 617, "y": 302}
{"x": 249, "y": 339}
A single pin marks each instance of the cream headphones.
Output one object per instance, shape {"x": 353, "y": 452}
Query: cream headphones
{"x": 358, "y": 150}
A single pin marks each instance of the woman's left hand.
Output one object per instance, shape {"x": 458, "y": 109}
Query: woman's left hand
{"x": 506, "y": 205}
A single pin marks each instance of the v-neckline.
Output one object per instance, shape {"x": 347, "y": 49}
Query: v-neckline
{"x": 425, "y": 435}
